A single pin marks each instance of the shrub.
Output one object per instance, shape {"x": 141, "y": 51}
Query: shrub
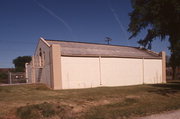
{"x": 43, "y": 110}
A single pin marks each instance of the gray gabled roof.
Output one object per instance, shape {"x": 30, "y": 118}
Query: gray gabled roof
{"x": 69, "y": 48}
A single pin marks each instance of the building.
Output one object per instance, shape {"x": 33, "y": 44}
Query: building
{"x": 71, "y": 65}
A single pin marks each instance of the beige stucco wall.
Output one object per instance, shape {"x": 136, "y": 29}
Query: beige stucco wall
{"x": 86, "y": 72}
{"x": 80, "y": 72}
{"x": 29, "y": 74}
{"x": 121, "y": 71}
{"x": 55, "y": 58}
{"x": 45, "y": 76}
{"x": 30, "y": 71}
{"x": 152, "y": 71}
{"x": 163, "y": 54}
{"x": 45, "y": 66}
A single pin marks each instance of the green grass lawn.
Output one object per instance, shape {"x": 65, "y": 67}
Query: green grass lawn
{"x": 37, "y": 101}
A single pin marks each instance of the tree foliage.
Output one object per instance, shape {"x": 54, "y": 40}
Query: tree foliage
{"x": 161, "y": 19}
{"x": 20, "y": 61}
{"x": 3, "y": 77}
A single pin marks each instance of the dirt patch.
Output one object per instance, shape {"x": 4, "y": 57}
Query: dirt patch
{"x": 83, "y": 106}
{"x": 133, "y": 96}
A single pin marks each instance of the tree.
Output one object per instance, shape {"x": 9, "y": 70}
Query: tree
{"x": 161, "y": 19}
{"x": 20, "y": 61}
{"x": 3, "y": 77}
{"x": 175, "y": 60}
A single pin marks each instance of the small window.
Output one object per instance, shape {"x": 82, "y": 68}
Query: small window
{"x": 40, "y": 57}
{"x": 40, "y": 52}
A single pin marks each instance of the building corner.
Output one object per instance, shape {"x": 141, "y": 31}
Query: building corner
{"x": 163, "y": 54}
{"x": 56, "y": 80}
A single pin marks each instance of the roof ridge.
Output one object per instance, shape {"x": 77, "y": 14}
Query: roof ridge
{"x": 91, "y": 43}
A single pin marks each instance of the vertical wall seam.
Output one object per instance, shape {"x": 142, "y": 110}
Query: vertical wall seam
{"x": 143, "y": 70}
{"x": 56, "y": 66}
{"x": 61, "y": 79}
{"x": 100, "y": 78}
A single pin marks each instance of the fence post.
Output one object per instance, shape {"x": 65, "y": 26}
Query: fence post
{"x": 10, "y": 78}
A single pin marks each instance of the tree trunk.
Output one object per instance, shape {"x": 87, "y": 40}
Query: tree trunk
{"x": 174, "y": 73}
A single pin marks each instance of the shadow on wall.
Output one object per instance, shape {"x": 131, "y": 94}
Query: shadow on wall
{"x": 165, "y": 89}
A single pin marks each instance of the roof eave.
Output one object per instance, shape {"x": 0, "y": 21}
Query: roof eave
{"x": 105, "y": 56}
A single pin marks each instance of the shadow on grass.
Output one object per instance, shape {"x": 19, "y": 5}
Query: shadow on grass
{"x": 165, "y": 89}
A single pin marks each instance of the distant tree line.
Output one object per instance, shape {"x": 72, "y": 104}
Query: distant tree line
{"x": 20, "y": 62}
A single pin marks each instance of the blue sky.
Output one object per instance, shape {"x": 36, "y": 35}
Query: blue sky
{"x": 22, "y": 22}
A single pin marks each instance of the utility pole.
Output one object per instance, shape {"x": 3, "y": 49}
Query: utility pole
{"x": 108, "y": 39}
